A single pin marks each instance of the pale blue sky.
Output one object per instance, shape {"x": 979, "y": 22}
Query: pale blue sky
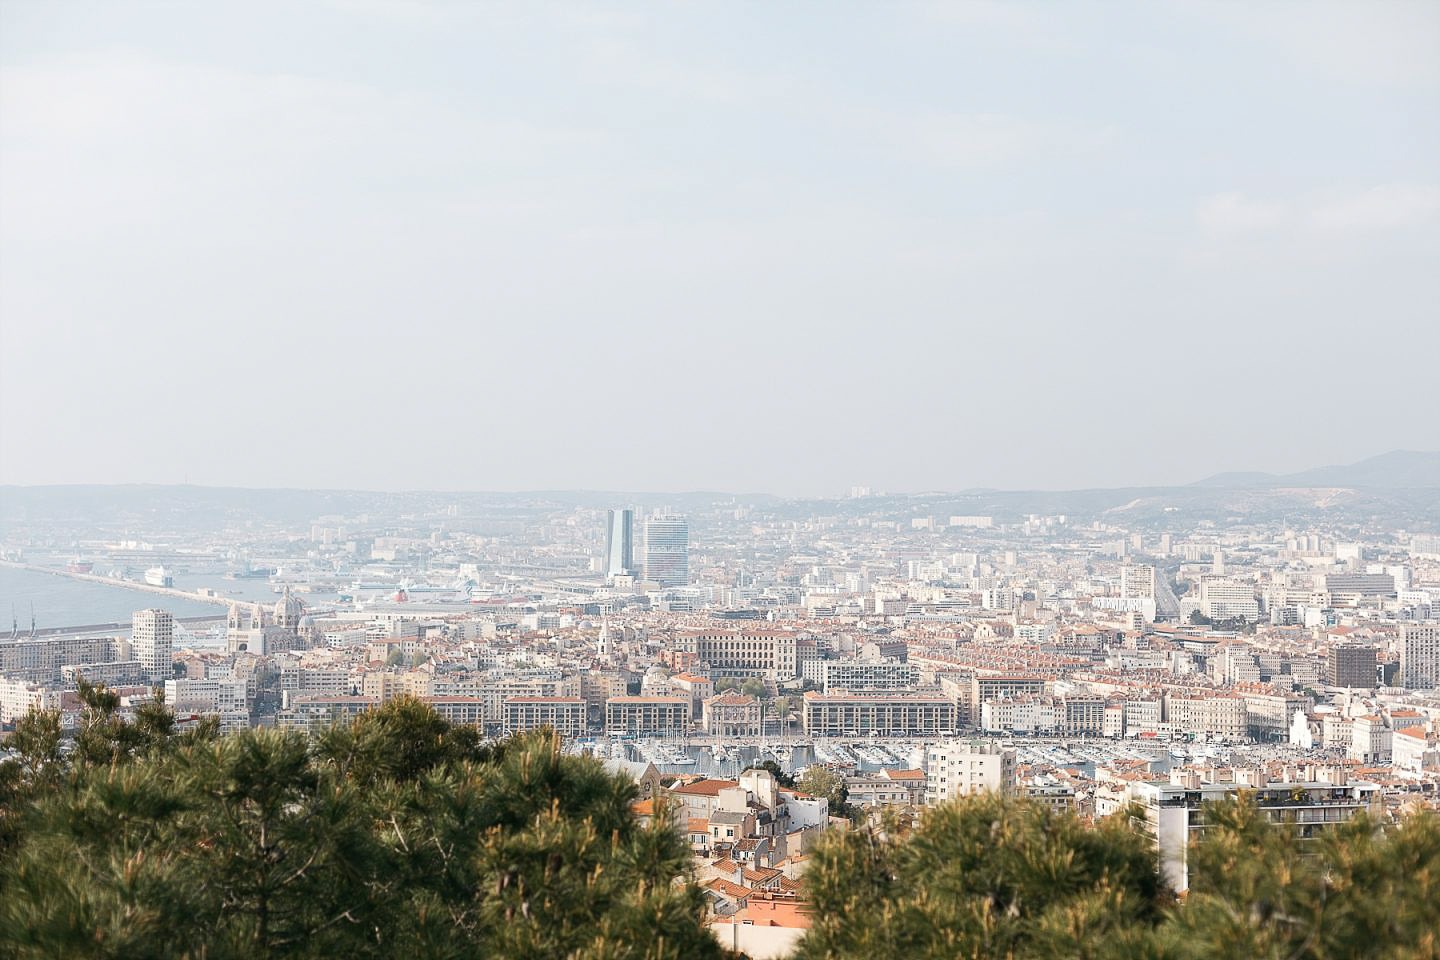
{"x": 783, "y": 247}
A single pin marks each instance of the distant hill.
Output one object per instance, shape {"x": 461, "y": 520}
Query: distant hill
{"x": 1396, "y": 470}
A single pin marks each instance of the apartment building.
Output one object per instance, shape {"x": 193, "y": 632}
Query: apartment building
{"x": 18, "y": 697}
{"x": 1416, "y": 750}
{"x": 152, "y": 634}
{"x": 647, "y": 716}
{"x": 860, "y": 675}
{"x": 564, "y": 715}
{"x": 1313, "y": 800}
{"x": 1206, "y": 714}
{"x": 40, "y": 658}
{"x": 1225, "y": 599}
{"x": 223, "y": 698}
{"x": 1419, "y": 656}
{"x": 112, "y": 673}
{"x": 986, "y": 687}
{"x": 886, "y": 788}
{"x": 959, "y": 768}
{"x": 1370, "y": 739}
{"x": 881, "y": 715}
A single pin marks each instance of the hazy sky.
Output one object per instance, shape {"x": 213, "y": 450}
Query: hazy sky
{"x": 773, "y": 247}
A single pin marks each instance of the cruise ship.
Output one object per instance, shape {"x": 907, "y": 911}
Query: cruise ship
{"x": 159, "y": 577}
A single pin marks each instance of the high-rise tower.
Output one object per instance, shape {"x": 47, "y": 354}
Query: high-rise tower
{"x": 619, "y": 546}
{"x": 152, "y": 633}
{"x": 667, "y": 551}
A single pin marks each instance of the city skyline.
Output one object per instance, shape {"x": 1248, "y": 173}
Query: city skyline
{"x": 1396, "y": 468}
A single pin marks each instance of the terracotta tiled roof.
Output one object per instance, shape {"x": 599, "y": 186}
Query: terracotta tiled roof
{"x": 704, "y": 788}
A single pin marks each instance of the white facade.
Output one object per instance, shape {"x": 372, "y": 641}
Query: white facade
{"x": 1419, "y": 655}
{"x": 152, "y": 634}
{"x": 959, "y": 768}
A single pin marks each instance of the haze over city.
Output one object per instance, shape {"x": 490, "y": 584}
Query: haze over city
{"x": 725, "y": 247}
{"x": 719, "y": 481}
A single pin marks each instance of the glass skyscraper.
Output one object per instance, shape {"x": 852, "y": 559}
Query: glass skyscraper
{"x": 619, "y": 548}
{"x": 667, "y": 551}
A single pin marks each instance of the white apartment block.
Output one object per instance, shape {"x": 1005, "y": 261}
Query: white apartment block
{"x": 309, "y": 682}
{"x": 861, "y": 675}
{"x": 1316, "y": 799}
{"x": 1370, "y": 740}
{"x": 1026, "y": 714}
{"x": 1142, "y": 716}
{"x": 224, "y": 697}
{"x": 41, "y": 658}
{"x": 112, "y": 673}
{"x": 959, "y": 768}
{"x": 18, "y": 697}
{"x": 152, "y": 634}
{"x": 1137, "y": 581}
{"x": 1415, "y": 749}
{"x": 1224, "y": 599}
{"x": 1419, "y": 656}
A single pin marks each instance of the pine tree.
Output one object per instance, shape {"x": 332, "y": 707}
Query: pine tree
{"x": 400, "y": 836}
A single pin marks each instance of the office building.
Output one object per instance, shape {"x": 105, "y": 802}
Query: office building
{"x": 667, "y": 551}
{"x": 619, "y": 546}
{"x": 1350, "y": 665}
{"x": 152, "y": 636}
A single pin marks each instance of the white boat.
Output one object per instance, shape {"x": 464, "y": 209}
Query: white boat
{"x": 159, "y": 577}
{"x": 682, "y": 759}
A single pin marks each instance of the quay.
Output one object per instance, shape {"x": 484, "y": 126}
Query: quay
{"x": 126, "y": 584}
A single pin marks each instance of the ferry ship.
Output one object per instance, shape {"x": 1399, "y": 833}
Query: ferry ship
{"x": 159, "y": 577}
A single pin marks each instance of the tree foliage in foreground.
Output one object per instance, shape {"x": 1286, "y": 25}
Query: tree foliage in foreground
{"x": 999, "y": 878}
{"x": 399, "y": 835}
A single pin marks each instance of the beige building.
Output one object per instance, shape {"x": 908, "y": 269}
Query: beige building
{"x": 732, "y": 715}
{"x": 564, "y": 715}
{"x": 756, "y": 652}
{"x": 1206, "y": 714}
{"x": 883, "y": 715}
{"x": 647, "y": 716}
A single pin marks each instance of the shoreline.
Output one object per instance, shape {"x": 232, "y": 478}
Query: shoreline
{"x": 125, "y": 584}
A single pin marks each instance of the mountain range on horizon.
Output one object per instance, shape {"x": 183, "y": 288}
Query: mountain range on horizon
{"x": 1396, "y": 470}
